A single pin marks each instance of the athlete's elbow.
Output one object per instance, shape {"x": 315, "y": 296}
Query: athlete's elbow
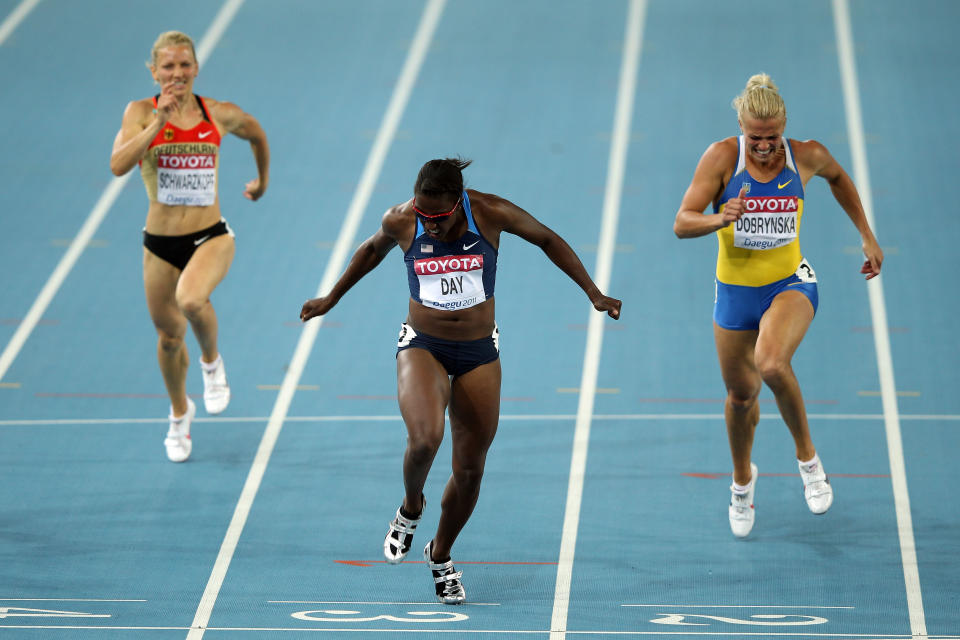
{"x": 680, "y": 230}
{"x": 118, "y": 169}
{"x": 684, "y": 227}
{"x": 684, "y": 233}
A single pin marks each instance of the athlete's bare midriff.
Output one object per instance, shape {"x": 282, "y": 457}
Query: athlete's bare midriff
{"x": 179, "y": 220}
{"x": 474, "y": 323}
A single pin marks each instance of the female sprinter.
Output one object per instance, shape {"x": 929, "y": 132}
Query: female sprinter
{"x": 448, "y": 351}
{"x": 188, "y": 247}
{"x": 766, "y": 292}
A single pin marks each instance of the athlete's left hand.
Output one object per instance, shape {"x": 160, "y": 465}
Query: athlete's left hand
{"x": 254, "y": 189}
{"x": 874, "y": 258}
{"x": 608, "y": 304}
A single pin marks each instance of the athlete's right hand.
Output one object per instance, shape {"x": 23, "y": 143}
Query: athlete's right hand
{"x": 167, "y": 105}
{"x": 315, "y": 307}
{"x": 733, "y": 209}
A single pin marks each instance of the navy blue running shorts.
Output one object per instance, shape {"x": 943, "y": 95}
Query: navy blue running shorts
{"x": 456, "y": 357}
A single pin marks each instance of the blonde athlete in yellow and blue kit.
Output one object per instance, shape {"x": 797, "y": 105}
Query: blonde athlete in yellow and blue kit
{"x": 766, "y": 292}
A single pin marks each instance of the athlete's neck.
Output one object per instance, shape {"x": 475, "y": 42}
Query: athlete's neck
{"x": 768, "y": 166}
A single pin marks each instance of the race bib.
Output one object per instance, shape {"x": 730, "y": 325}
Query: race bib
{"x": 766, "y": 223}
{"x": 451, "y": 282}
{"x": 187, "y": 179}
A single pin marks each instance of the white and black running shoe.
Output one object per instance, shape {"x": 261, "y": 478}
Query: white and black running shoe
{"x": 446, "y": 578}
{"x": 400, "y": 536}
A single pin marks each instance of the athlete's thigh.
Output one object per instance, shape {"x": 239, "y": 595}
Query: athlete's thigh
{"x": 207, "y": 268}
{"x": 735, "y": 353}
{"x": 160, "y": 285}
{"x": 423, "y": 390}
{"x": 784, "y": 324}
{"x": 475, "y": 409}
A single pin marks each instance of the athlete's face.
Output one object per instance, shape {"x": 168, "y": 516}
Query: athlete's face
{"x": 437, "y": 214}
{"x": 763, "y": 137}
{"x": 175, "y": 68}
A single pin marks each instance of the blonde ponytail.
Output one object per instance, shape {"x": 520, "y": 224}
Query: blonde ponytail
{"x": 760, "y": 99}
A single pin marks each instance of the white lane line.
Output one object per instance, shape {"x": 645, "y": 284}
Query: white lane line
{"x": 417, "y": 604}
{"x": 53, "y": 422}
{"x": 16, "y": 16}
{"x": 216, "y": 29}
{"x": 881, "y": 333}
{"x": 60, "y": 273}
{"x": 409, "y": 632}
{"x": 608, "y": 229}
{"x": 99, "y": 212}
{"x": 738, "y": 606}
{"x": 345, "y": 243}
{"x": 91, "y": 627}
{"x": 66, "y": 600}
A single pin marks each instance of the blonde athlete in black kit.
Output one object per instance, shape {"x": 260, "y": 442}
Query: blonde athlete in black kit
{"x": 188, "y": 247}
{"x": 448, "y": 352}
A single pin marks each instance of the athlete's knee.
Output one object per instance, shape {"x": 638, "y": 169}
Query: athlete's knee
{"x": 422, "y": 446}
{"x": 169, "y": 342}
{"x": 775, "y": 371}
{"x": 468, "y": 478}
{"x": 742, "y": 400}
{"x": 190, "y": 304}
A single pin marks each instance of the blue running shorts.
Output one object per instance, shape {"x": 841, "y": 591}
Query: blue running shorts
{"x": 456, "y": 357}
{"x": 740, "y": 308}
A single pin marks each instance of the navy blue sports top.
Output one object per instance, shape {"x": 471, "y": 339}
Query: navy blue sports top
{"x": 455, "y": 275}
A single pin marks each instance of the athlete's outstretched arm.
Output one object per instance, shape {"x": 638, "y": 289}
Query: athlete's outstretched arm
{"x": 512, "y": 219}
{"x": 365, "y": 259}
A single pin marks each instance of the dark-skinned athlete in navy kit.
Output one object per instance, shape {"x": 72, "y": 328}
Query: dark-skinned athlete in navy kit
{"x": 448, "y": 351}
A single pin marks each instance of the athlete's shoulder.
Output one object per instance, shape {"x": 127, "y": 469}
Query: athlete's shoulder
{"x": 719, "y": 159}
{"x": 216, "y": 105}
{"x": 489, "y": 203}
{"x": 804, "y": 148}
{"x": 479, "y": 198}
{"x": 725, "y": 150}
{"x": 221, "y": 110}
{"x": 398, "y": 219}
{"x": 141, "y": 104}
{"x": 139, "y": 110}
{"x": 496, "y": 212}
{"x": 810, "y": 154}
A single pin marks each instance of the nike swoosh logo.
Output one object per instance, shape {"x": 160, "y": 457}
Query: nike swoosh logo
{"x": 204, "y": 134}
{"x": 199, "y": 242}
{"x": 781, "y": 186}
{"x": 467, "y": 246}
